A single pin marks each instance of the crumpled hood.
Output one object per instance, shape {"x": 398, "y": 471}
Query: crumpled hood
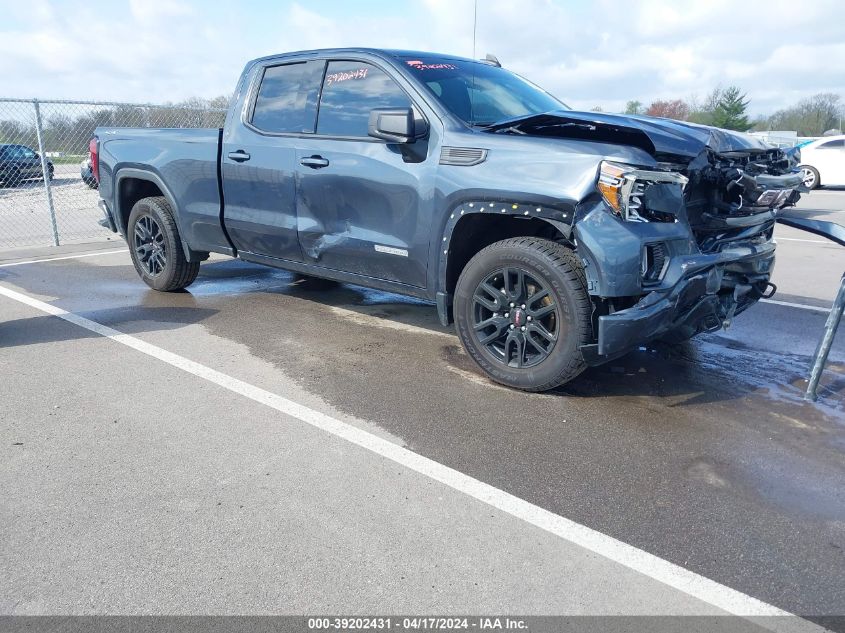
{"x": 662, "y": 138}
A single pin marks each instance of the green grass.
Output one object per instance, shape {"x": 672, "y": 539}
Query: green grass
{"x": 69, "y": 159}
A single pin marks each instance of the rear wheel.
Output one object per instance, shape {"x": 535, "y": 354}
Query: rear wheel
{"x": 522, "y": 312}
{"x": 810, "y": 177}
{"x": 155, "y": 246}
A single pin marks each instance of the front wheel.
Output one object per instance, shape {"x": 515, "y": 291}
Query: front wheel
{"x": 522, "y": 312}
{"x": 155, "y": 246}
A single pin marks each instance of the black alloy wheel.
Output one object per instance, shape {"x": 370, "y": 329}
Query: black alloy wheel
{"x": 150, "y": 245}
{"x": 515, "y": 317}
{"x": 523, "y": 313}
{"x": 156, "y": 248}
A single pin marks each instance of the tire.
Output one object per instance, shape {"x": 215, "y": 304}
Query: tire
{"x": 12, "y": 179}
{"x": 552, "y": 274}
{"x": 155, "y": 246}
{"x": 810, "y": 176}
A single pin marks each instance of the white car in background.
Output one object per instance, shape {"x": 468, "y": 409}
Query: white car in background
{"x": 823, "y": 162}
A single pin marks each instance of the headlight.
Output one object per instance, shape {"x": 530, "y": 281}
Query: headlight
{"x": 623, "y": 188}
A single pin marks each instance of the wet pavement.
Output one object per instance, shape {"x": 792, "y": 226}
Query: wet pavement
{"x": 704, "y": 454}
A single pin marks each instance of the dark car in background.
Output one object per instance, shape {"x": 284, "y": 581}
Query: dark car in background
{"x": 19, "y": 163}
{"x": 86, "y": 172}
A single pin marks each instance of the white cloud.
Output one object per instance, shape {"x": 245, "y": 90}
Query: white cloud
{"x": 152, "y": 10}
{"x": 587, "y": 53}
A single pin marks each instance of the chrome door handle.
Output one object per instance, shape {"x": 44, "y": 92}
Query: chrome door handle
{"x": 314, "y": 162}
{"x": 239, "y": 156}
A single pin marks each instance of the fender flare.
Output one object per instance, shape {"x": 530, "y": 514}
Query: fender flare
{"x": 560, "y": 214}
{"x": 123, "y": 173}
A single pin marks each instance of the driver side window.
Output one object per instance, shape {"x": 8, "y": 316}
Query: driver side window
{"x": 350, "y": 90}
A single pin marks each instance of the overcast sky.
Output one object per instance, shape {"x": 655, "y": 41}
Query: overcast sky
{"x": 591, "y": 53}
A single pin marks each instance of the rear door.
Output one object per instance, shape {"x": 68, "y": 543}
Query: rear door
{"x": 363, "y": 204}
{"x": 258, "y": 160}
{"x": 25, "y": 161}
{"x": 31, "y": 161}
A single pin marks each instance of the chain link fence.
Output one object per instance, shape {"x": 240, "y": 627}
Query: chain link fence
{"x": 51, "y": 137}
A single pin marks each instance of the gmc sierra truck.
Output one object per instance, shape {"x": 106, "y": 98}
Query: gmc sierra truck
{"x": 554, "y": 239}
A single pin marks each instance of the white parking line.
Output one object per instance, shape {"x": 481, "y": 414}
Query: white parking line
{"x": 800, "y": 306}
{"x": 798, "y": 239}
{"x": 56, "y": 259}
{"x": 674, "y": 576}
{"x": 369, "y": 320}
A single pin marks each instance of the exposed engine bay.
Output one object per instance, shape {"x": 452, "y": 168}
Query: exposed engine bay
{"x": 697, "y": 224}
{"x": 736, "y": 195}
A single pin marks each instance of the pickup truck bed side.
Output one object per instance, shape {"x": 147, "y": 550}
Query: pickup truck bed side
{"x": 182, "y": 164}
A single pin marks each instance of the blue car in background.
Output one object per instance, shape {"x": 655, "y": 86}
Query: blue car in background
{"x": 19, "y": 163}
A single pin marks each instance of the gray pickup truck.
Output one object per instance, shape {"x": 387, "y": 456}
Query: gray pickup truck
{"x": 554, "y": 239}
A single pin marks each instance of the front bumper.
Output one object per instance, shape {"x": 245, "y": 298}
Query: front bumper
{"x": 710, "y": 290}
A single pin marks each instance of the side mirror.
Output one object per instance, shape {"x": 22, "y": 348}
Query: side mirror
{"x": 395, "y": 125}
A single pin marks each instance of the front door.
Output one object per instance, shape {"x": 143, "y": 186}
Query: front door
{"x": 259, "y": 160}
{"x": 362, "y": 204}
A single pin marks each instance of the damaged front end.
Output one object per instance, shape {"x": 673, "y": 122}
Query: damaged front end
{"x": 704, "y": 235}
{"x": 676, "y": 245}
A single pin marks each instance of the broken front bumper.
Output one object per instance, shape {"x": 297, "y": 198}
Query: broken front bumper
{"x": 709, "y": 292}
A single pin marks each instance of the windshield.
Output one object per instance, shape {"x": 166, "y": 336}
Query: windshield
{"x": 479, "y": 93}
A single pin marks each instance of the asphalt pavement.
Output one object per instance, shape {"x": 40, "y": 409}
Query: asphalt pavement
{"x": 162, "y": 474}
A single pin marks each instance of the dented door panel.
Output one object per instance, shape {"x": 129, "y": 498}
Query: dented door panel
{"x": 366, "y": 211}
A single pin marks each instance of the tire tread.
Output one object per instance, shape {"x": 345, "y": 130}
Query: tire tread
{"x": 566, "y": 262}
{"x": 184, "y": 272}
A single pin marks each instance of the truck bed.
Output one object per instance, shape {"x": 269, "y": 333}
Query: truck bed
{"x": 186, "y": 163}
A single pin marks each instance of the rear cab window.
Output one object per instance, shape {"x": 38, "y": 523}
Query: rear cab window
{"x": 287, "y": 98}
{"x": 351, "y": 89}
{"x": 837, "y": 144}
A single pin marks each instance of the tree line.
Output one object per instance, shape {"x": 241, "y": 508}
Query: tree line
{"x": 68, "y": 127}
{"x": 728, "y": 108}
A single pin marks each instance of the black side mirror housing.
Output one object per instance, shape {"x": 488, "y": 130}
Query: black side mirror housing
{"x": 395, "y": 125}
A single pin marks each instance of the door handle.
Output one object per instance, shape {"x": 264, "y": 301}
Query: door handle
{"x": 239, "y": 156}
{"x": 314, "y": 162}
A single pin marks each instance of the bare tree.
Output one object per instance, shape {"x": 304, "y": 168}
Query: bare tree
{"x": 810, "y": 117}
{"x": 704, "y": 111}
